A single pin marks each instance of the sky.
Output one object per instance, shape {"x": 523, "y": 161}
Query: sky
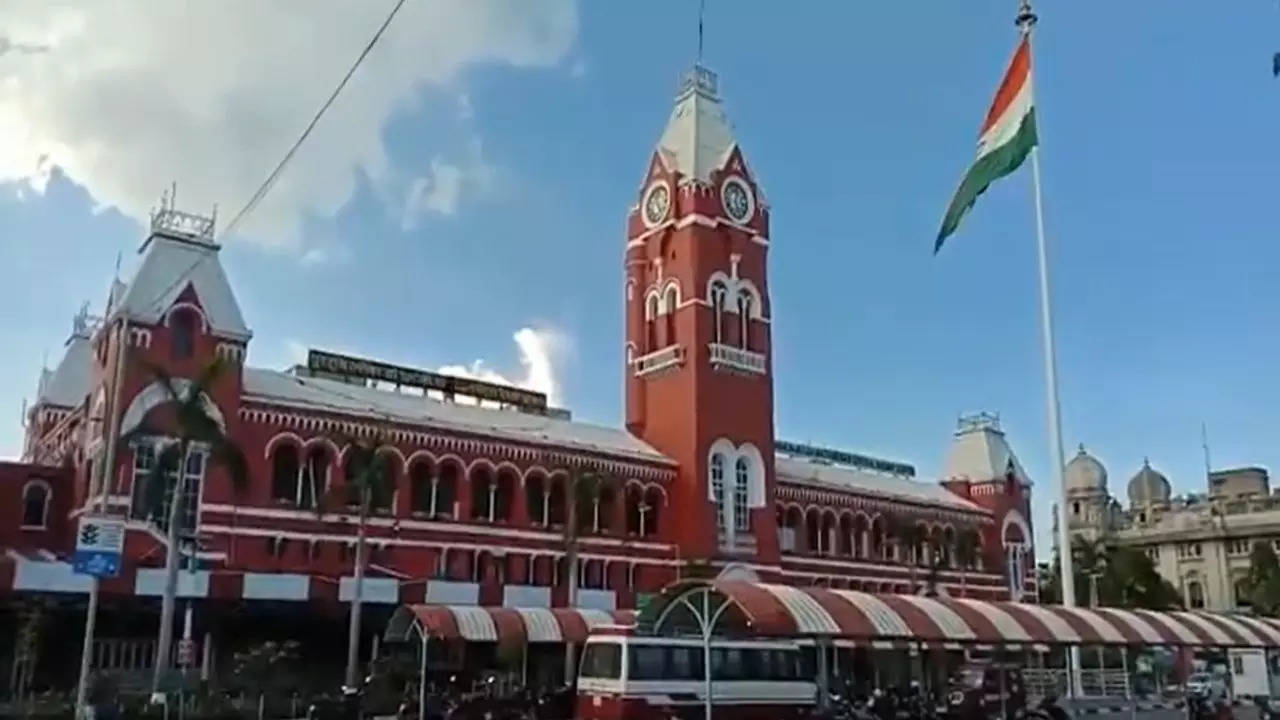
{"x": 462, "y": 205}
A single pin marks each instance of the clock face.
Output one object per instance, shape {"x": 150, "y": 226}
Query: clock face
{"x": 737, "y": 200}
{"x": 656, "y": 204}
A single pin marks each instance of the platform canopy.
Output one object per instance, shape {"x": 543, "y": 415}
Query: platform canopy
{"x": 474, "y": 623}
{"x": 739, "y": 607}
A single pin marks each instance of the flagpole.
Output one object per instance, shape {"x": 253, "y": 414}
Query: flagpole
{"x": 1026, "y": 20}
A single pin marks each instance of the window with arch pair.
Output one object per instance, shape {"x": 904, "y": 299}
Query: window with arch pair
{"x": 745, "y": 306}
{"x": 733, "y": 510}
{"x": 660, "y": 319}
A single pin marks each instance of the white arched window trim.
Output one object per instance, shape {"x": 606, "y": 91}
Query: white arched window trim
{"x": 745, "y": 304}
{"x": 652, "y": 305}
{"x": 44, "y": 510}
{"x": 204, "y": 319}
{"x": 715, "y": 472}
{"x": 670, "y": 297}
{"x": 718, "y": 297}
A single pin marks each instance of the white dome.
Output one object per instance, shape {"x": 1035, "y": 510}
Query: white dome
{"x": 1085, "y": 474}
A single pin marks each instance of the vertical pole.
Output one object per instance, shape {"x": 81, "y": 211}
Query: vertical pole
{"x": 353, "y": 627}
{"x": 824, "y": 691}
{"x": 86, "y": 653}
{"x": 1026, "y": 20}
{"x": 422, "y": 678}
{"x": 706, "y": 652}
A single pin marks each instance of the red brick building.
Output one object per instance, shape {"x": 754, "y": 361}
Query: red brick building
{"x": 697, "y": 477}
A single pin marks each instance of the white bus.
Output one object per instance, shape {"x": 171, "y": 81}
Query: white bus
{"x": 623, "y": 676}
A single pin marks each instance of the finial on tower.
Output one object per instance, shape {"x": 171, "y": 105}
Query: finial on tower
{"x": 1026, "y": 16}
{"x": 702, "y": 10}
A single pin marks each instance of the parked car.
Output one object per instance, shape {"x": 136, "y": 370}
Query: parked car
{"x": 1207, "y": 685}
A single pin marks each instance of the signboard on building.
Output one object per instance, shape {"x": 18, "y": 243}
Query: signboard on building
{"x": 99, "y": 544}
{"x": 840, "y": 457}
{"x": 343, "y": 367}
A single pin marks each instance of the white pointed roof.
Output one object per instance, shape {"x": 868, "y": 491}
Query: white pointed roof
{"x": 980, "y": 452}
{"x": 169, "y": 265}
{"x": 698, "y": 138}
{"x": 68, "y": 384}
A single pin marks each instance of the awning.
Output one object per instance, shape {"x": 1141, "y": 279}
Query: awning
{"x": 765, "y": 609}
{"x": 474, "y": 623}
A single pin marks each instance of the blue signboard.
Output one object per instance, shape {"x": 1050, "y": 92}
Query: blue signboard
{"x": 99, "y": 544}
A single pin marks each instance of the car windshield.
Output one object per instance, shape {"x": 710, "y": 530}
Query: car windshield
{"x": 1200, "y": 678}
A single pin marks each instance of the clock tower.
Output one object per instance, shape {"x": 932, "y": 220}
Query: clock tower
{"x": 698, "y": 356}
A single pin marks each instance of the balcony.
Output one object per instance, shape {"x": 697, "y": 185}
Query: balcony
{"x": 654, "y": 362}
{"x": 732, "y": 358}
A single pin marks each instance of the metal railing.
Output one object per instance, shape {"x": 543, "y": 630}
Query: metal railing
{"x": 737, "y": 358}
{"x": 1094, "y": 683}
{"x": 669, "y": 356}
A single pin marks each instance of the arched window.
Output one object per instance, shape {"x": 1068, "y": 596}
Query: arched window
{"x": 1242, "y": 593}
{"x": 635, "y": 513}
{"x": 813, "y": 531}
{"x": 651, "y": 323}
{"x": 422, "y": 488}
{"x": 482, "y": 492}
{"x": 741, "y": 490}
{"x": 672, "y": 302}
{"x": 717, "y": 488}
{"x": 605, "y": 509}
{"x": 1195, "y": 593}
{"x": 504, "y": 492}
{"x": 315, "y": 477}
{"x": 183, "y": 323}
{"x": 535, "y": 498}
{"x": 35, "y": 505}
{"x": 556, "y": 503}
{"x": 284, "y": 473}
{"x": 652, "y": 512}
{"x": 744, "y": 320}
{"x": 446, "y": 491}
{"x": 847, "y": 541}
{"x": 718, "y": 294}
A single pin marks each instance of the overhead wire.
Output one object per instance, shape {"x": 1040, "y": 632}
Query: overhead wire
{"x": 271, "y": 179}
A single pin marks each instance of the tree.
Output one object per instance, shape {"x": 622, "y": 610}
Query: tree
{"x": 966, "y": 554}
{"x": 200, "y": 444}
{"x": 369, "y": 484}
{"x": 1126, "y": 578}
{"x": 584, "y": 489}
{"x": 1263, "y": 582}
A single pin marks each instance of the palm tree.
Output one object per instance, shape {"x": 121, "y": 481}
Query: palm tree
{"x": 369, "y": 484}
{"x": 967, "y": 541}
{"x": 200, "y": 438}
{"x": 584, "y": 488}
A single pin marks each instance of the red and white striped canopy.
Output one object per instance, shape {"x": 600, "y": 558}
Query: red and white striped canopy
{"x": 474, "y": 623}
{"x": 790, "y": 611}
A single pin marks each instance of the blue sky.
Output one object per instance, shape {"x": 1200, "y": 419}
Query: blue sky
{"x": 517, "y": 168}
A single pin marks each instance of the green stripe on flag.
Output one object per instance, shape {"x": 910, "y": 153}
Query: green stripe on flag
{"x": 989, "y": 168}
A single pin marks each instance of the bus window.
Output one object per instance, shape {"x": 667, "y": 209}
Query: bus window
{"x": 727, "y": 664}
{"x": 602, "y": 660}
{"x": 648, "y": 662}
{"x": 685, "y": 663}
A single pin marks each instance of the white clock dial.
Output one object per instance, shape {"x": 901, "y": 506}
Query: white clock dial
{"x": 737, "y": 200}
{"x": 657, "y": 202}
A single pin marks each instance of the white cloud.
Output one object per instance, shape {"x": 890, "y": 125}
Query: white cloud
{"x": 441, "y": 189}
{"x": 540, "y": 351}
{"x": 130, "y": 95}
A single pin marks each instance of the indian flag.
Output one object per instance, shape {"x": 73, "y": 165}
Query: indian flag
{"x": 1008, "y": 134}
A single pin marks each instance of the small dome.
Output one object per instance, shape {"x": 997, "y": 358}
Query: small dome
{"x": 1148, "y": 487}
{"x": 1085, "y": 474}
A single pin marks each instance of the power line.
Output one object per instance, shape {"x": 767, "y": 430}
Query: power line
{"x": 275, "y": 174}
